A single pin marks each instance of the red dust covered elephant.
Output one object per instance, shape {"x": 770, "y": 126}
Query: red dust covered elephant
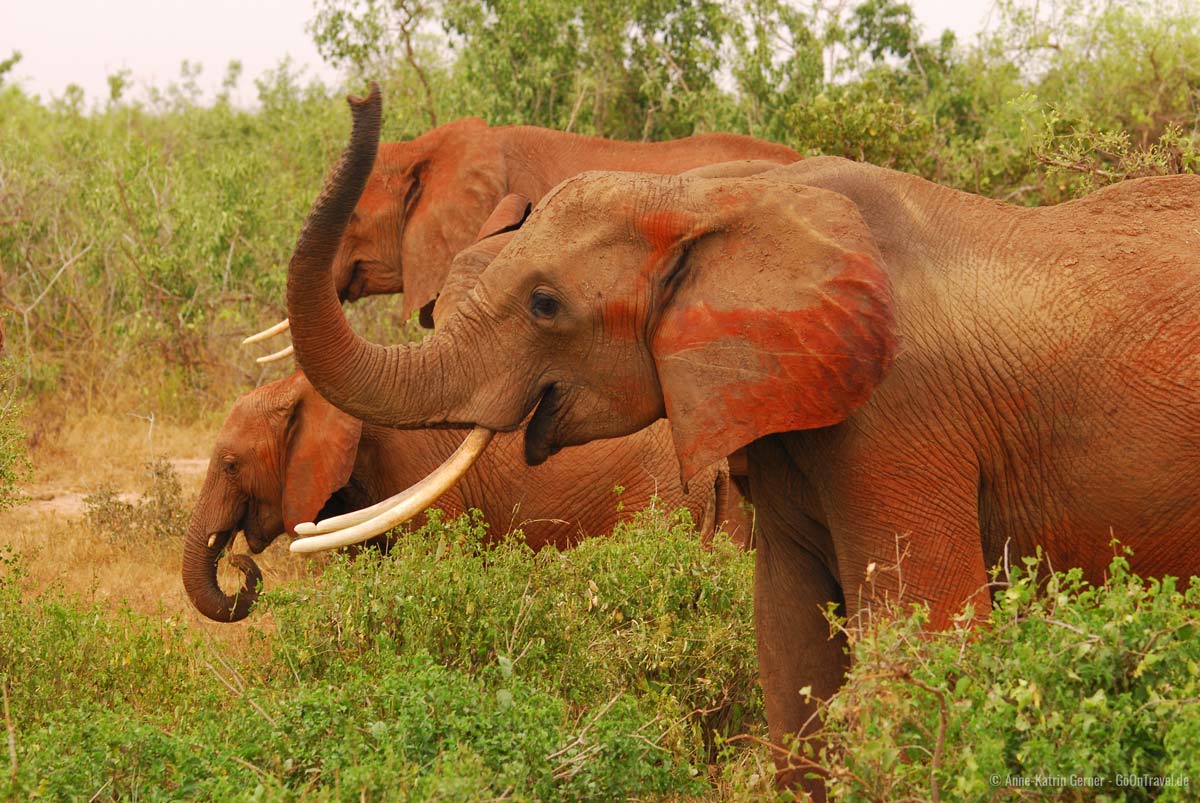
{"x": 897, "y": 358}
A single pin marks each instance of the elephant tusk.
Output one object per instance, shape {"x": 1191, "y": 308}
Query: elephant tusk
{"x": 269, "y": 332}
{"x": 279, "y": 355}
{"x": 401, "y": 507}
{"x": 356, "y": 516}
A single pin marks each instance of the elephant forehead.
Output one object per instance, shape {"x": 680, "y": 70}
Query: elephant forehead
{"x": 607, "y": 196}
{"x": 568, "y": 254}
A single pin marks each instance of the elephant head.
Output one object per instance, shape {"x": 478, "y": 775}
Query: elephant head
{"x": 420, "y": 206}
{"x": 282, "y": 452}
{"x": 737, "y": 307}
{"x": 425, "y": 198}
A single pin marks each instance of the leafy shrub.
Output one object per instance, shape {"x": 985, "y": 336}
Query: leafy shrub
{"x": 670, "y": 619}
{"x": 441, "y": 671}
{"x": 1067, "y": 682}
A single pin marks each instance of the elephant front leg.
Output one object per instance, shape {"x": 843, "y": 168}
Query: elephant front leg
{"x": 800, "y": 662}
{"x": 907, "y": 530}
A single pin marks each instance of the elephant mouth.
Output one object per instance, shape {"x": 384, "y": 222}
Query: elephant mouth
{"x": 540, "y": 440}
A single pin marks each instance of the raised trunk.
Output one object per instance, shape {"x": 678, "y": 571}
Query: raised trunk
{"x": 369, "y": 381}
{"x": 200, "y": 574}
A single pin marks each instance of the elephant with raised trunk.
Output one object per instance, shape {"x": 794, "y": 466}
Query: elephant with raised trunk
{"x": 900, "y": 361}
{"x": 285, "y": 455}
{"x": 425, "y": 198}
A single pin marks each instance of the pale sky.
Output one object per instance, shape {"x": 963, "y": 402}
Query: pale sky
{"x": 84, "y": 41}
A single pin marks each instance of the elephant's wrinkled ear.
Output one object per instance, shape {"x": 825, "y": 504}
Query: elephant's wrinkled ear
{"x": 777, "y": 316}
{"x": 322, "y": 444}
{"x": 465, "y": 177}
{"x": 508, "y": 215}
{"x": 468, "y": 263}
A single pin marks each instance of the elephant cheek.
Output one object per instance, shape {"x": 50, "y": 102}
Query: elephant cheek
{"x": 262, "y": 536}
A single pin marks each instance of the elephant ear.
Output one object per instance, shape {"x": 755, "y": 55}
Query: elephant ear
{"x": 777, "y": 314}
{"x": 495, "y": 233}
{"x": 508, "y": 215}
{"x": 322, "y": 444}
{"x": 465, "y": 175}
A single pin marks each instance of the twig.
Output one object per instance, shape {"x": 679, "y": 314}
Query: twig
{"x": 96, "y": 796}
{"x": 150, "y": 433}
{"x": 26, "y": 310}
{"x": 939, "y": 748}
{"x": 579, "y": 739}
{"x": 575, "y": 109}
{"x": 242, "y": 695}
{"x": 229, "y": 261}
{"x": 411, "y": 57}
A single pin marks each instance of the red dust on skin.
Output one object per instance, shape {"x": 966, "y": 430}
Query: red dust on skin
{"x": 663, "y": 231}
{"x": 775, "y": 370}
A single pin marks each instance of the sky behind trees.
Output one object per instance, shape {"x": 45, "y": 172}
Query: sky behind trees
{"x": 85, "y": 41}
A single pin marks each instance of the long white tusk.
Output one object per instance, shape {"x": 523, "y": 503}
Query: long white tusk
{"x": 401, "y": 507}
{"x": 271, "y": 331}
{"x": 354, "y": 517}
{"x": 279, "y": 355}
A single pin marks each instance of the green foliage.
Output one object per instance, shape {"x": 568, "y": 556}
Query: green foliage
{"x": 153, "y": 232}
{"x": 854, "y": 80}
{"x": 441, "y": 671}
{"x": 1066, "y": 679}
{"x": 664, "y": 612}
{"x": 14, "y": 461}
{"x": 7, "y": 64}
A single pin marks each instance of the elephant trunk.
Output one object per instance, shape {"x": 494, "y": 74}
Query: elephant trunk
{"x": 367, "y": 380}
{"x": 202, "y": 549}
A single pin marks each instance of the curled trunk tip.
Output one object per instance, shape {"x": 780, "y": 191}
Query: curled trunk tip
{"x": 373, "y": 97}
{"x": 200, "y": 580}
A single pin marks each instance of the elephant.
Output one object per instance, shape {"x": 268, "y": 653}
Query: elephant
{"x": 284, "y": 454}
{"x": 426, "y": 197}
{"x": 912, "y": 370}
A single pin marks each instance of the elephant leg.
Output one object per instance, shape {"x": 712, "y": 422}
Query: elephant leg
{"x": 794, "y": 581}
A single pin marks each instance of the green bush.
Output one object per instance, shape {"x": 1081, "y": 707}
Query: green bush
{"x": 621, "y": 670}
{"x": 671, "y": 619}
{"x": 441, "y": 671}
{"x": 1066, "y": 682}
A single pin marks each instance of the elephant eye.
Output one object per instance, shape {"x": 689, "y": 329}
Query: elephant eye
{"x": 543, "y": 305}
{"x": 230, "y": 466}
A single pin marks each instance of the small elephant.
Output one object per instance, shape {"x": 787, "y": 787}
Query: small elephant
{"x": 285, "y": 455}
{"x": 426, "y": 198}
{"x": 910, "y": 369}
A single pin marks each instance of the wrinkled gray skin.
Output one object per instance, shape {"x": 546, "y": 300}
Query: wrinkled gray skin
{"x": 911, "y": 370}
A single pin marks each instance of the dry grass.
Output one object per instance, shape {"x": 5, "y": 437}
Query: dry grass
{"x": 59, "y": 549}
